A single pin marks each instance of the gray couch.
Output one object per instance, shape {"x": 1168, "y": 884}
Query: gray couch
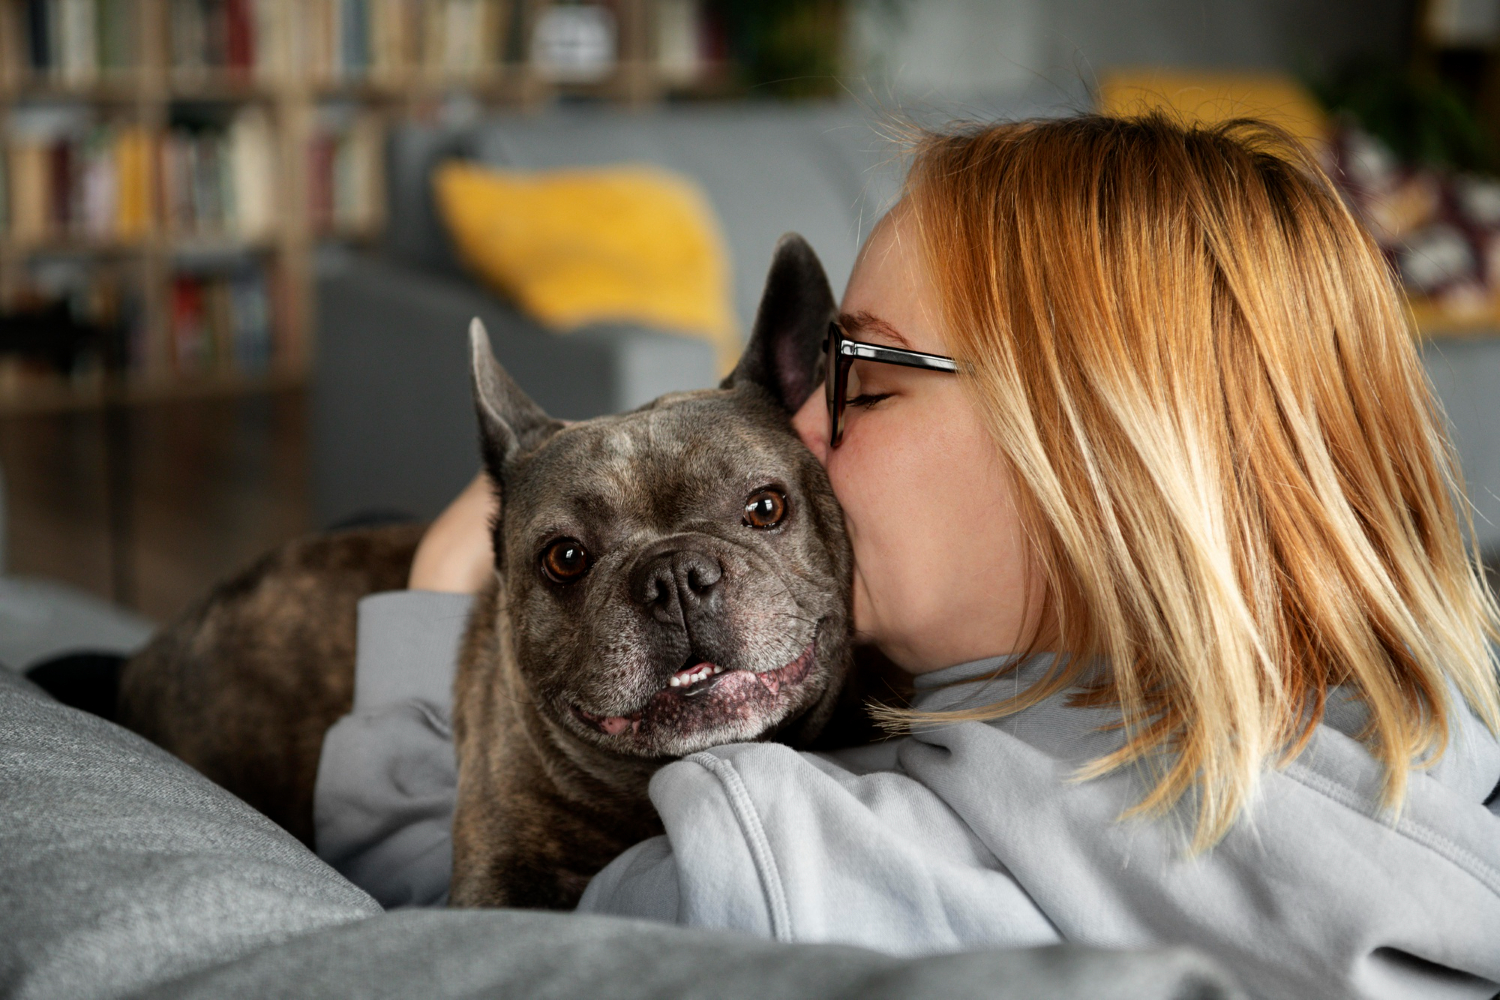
{"x": 123, "y": 872}
{"x": 391, "y": 419}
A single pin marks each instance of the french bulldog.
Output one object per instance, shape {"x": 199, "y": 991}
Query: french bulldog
{"x": 666, "y": 580}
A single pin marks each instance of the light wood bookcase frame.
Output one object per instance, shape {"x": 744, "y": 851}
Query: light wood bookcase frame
{"x": 146, "y": 93}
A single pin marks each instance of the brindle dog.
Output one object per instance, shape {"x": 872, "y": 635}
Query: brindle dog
{"x": 666, "y": 580}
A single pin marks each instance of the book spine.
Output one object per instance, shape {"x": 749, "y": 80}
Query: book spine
{"x": 252, "y": 173}
{"x": 188, "y": 33}
{"x": 132, "y": 149}
{"x": 115, "y": 36}
{"x": 238, "y": 35}
{"x": 265, "y": 42}
{"x": 208, "y": 206}
{"x": 354, "y": 25}
{"x": 99, "y": 185}
{"x": 251, "y": 318}
{"x": 30, "y": 190}
{"x": 215, "y": 34}
{"x": 60, "y": 185}
{"x": 79, "y": 44}
{"x": 38, "y": 36}
{"x": 321, "y": 153}
{"x": 218, "y": 314}
{"x": 187, "y": 325}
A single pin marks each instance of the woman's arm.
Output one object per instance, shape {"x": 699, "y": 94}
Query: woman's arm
{"x": 383, "y": 802}
{"x": 455, "y": 555}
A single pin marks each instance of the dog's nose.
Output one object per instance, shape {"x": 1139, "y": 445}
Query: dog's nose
{"x": 676, "y": 585}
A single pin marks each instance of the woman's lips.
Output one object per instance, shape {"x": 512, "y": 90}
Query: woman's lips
{"x": 698, "y": 681}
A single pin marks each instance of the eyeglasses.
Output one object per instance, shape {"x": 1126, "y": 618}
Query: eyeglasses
{"x": 843, "y": 352}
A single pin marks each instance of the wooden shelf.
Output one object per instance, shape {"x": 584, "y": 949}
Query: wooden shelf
{"x": 60, "y": 396}
{"x": 211, "y": 85}
{"x": 73, "y": 246}
{"x": 123, "y": 91}
{"x": 1436, "y": 319}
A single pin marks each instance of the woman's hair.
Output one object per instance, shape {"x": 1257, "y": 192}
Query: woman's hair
{"x": 1231, "y": 471}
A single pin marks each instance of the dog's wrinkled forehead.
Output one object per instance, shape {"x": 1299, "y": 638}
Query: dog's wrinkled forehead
{"x": 655, "y": 467}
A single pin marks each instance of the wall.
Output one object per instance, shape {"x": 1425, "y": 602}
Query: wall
{"x": 926, "y": 48}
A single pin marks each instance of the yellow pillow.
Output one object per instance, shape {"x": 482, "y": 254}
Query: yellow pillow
{"x": 609, "y": 244}
{"x": 1211, "y": 98}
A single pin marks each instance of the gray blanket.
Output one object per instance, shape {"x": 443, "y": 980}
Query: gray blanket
{"x": 125, "y": 873}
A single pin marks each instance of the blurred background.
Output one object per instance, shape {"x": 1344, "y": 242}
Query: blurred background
{"x": 240, "y": 240}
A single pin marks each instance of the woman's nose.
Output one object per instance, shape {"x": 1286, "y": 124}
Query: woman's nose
{"x": 811, "y": 424}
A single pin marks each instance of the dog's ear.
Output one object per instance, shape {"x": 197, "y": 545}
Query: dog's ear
{"x": 509, "y": 422}
{"x": 784, "y": 355}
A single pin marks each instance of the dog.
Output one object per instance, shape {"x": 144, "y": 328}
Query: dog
{"x": 666, "y": 580}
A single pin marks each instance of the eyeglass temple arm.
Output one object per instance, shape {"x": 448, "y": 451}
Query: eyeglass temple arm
{"x": 896, "y": 356}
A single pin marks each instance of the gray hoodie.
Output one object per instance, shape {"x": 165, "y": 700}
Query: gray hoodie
{"x": 975, "y": 834}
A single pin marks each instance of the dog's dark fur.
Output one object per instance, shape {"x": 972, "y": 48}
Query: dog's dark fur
{"x": 246, "y": 683}
{"x": 562, "y": 704}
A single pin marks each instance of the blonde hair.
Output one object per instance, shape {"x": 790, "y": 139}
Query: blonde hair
{"x": 1232, "y": 475}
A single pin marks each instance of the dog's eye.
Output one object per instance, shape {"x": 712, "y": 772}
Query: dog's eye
{"x": 765, "y": 509}
{"x": 565, "y": 560}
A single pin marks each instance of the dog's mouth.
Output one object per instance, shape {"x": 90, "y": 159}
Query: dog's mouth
{"x": 701, "y": 693}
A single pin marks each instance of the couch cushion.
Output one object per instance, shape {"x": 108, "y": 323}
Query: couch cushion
{"x": 121, "y": 867}
{"x": 827, "y": 171}
{"x": 586, "y": 245}
{"x": 125, "y": 873}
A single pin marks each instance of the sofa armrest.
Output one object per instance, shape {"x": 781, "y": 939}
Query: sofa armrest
{"x": 392, "y": 420}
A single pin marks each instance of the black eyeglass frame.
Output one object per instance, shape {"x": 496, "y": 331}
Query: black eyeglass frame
{"x": 843, "y": 352}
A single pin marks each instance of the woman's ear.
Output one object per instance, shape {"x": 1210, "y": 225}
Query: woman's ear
{"x": 784, "y": 355}
{"x": 509, "y": 422}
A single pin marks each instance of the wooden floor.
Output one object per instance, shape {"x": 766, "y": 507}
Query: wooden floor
{"x": 204, "y": 486}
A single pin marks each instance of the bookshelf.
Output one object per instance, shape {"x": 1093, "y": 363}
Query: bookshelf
{"x": 171, "y": 166}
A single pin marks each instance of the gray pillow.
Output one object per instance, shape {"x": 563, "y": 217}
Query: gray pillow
{"x": 124, "y": 872}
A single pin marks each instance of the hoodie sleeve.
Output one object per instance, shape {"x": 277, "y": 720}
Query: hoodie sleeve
{"x": 383, "y": 801}
{"x": 796, "y": 847}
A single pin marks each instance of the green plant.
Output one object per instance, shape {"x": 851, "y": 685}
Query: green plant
{"x": 1424, "y": 120}
{"x": 784, "y": 48}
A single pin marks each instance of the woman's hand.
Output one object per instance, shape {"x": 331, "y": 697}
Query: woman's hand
{"x": 456, "y": 555}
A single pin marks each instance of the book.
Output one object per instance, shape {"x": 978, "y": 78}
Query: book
{"x": 60, "y": 185}
{"x": 78, "y": 42}
{"x": 219, "y": 175}
{"x": 30, "y": 189}
{"x": 117, "y": 35}
{"x": 344, "y": 182}
{"x": 98, "y": 177}
{"x": 221, "y": 323}
{"x": 252, "y": 173}
{"x": 188, "y": 335}
{"x": 134, "y": 182}
{"x": 250, "y": 311}
{"x": 38, "y": 35}
{"x": 239, "y": 37}
{"x": 236, "y": 37}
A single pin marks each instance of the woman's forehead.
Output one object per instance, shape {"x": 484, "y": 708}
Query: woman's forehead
{"x": 889, "y": 299}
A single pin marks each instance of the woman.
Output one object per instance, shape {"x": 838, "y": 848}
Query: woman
{"x": 1200, "y": 655}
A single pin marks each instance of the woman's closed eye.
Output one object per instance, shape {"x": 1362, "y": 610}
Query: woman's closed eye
{"x": 866, "y": 388}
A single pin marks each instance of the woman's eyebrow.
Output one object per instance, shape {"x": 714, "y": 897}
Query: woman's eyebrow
{"x": 866, "y": 322}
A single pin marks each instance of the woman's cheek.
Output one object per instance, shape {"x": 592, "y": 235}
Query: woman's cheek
{"x": 871, "y": 495}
